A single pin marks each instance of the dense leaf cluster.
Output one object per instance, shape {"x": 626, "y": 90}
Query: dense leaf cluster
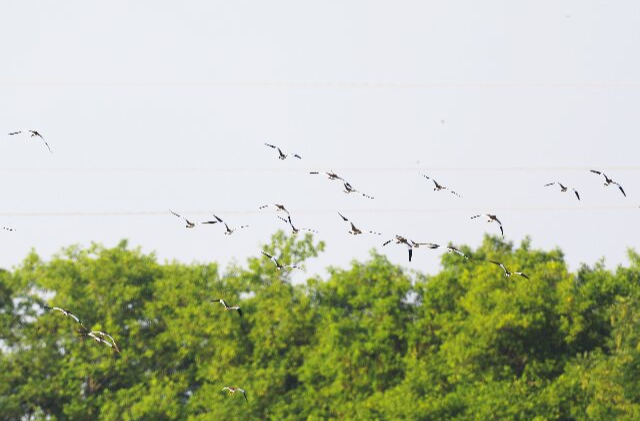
{"x": 370, "y": 342}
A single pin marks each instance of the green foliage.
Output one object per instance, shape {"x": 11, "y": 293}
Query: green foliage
{"x": 370, "y": 342}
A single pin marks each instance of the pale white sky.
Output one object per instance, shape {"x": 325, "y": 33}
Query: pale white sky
{"x": 157, "y": 105}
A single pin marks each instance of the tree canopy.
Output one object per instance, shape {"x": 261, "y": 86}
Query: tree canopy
{"x": 372, "y": 341}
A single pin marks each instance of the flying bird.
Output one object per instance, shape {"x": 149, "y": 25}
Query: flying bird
{"x": 295, "y": 230}
{"x": 354, "y": 230}
{"x": 229, "y": 231}
{"x": 189, "y": 223}
{"x": 438, "y": 186}
{"x": 281, "y": 155}
{"x": 226, "y": 307}
{"x": 452, "y": 249}
{"x": 491, "y": 218}
{"x": 563, "y": 188}
{"x": 449, "y": 248}
{"x": 416, "y": 245}
{"x": 608, "y": 181}
{"x": 278, "y": 265}
{"x": 66, "y": 313}
{"x": 34, "y": 133}
{"x": 401, "y": 240}
{"x": 232, "y": 390}
{"x": 349, "y": 189}
{"x": 330, "y": 175}
{"x": 506, "y": 271}
{"x": 101, "y": 337}
{"x": 279, "y": 208}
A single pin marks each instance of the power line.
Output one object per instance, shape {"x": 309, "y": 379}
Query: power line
{"x": 299, "y": 170}
{"x": 154, "y": 213}
{"x": 356, "y": 85}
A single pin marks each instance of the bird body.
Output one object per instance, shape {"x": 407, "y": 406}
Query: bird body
{"x": 294, "y": 229}
{"x": 34, "y": 133}
{"x": 438, "y": 186}
{"x": 348, "y": 188}
{"x": 281, "y": 155}
{"x": 609, "y": 181}
{"x": 354, "y": 230}
{"x": 66, "y": 313}
{"x": 189, "y": 223}
{"x": 507, "y": 273}
{"x": 229, "y": 231}
{"x": 227, "y": 307}
{"x": 416, "y": 245}
{"x": 330, "y": 175}
{"x": 96, "y": 335}
{"x": 232, "y": 390}
{"x": 563, "y": 188}
{"x": 491, "y": 218}
{"x": 279, "y": 208}
{"x": 401, "y": 240}
{"x": 452, "y": 249}
{"x": 280, "y": 266}
{"x": 101, "y": 337}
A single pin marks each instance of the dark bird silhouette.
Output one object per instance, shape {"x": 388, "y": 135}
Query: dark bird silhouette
{"x": 608, "y": 181}
{"x": 402, "y": 240}
{"x": 281, "y": 155}
{"x": 491, "y": 218}
{"x": 349, "y": 189}
{"x": 450, "y": 248}
{"x": 191, "y": 224}
{"x": 295, "y": 230}
{"x": 563, "y": 188}
{"x": 506, "y": 271}
{"x": 330, "y": 175}
{"x": 280, "y": 266}
{"x": 229, "y": 231}
{"x": 279, "y": 208}
{"x": 354, "y": 230}
{"x": 34, "y": 133}
{"x": 438, "y": 186}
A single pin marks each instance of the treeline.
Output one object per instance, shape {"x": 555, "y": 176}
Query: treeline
{"x": 371, "y": 342}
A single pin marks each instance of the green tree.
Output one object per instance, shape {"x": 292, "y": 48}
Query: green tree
{"x": 372, "y": 341}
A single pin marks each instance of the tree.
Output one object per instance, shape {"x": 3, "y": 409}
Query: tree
{"x": 372, "y": 341}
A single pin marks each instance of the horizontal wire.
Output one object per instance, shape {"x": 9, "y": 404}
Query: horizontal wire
{"x": 474, "y": 210}
{"x": 324, "y": 84}
{"x": 298, "y": 170}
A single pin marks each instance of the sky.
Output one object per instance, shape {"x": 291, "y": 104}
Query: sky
{"x": 150, "y": 106}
